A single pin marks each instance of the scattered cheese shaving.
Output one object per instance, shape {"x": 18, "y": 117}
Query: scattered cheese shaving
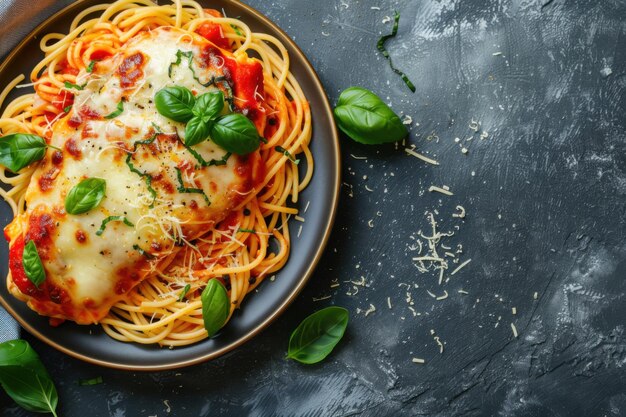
{"x": 458, "y": 268}
{"x": 461, "y": 213}
{"x": 389, "y": 302}
{"x": 442, "y": 297}
{"x": 418, "y": 360}
{"x": 420, "y": 156}
{"x": 514, "y": 330}
{"x": 536, "y": 295}
{"x": 370, "y": 310}
{"x": 298, "y": 218}
{"x": 440, "y": 190}
{"x": 514, "y": 310}
{"x": 462, "y": 292}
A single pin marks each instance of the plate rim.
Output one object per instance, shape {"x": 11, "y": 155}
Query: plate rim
{"x": 301, "y": 283}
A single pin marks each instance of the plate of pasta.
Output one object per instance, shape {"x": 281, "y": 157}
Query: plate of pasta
{"x": 170, "y": 178}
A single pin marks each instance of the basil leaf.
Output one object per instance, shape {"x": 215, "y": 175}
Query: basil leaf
{"x": 118, "y": 110}
{"x": 317, "y": 335}
{"x": 19, "y": 150}
{"x": 215, "y": 306}
{"x": 196, "y": 131}
{"x": 364, "y": 117}
{"x": 175, "y": 103}
{"x": 86, "y": 195}
{"x": 235, "y": 133}
{"x": 25, "y": 379}
{"x": 208, "y": 106}
{"x": 32, "y": 264}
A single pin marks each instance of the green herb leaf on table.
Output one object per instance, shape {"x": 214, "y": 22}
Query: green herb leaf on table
{"x": 175, "y": 103}
{"x": 235, "y": 133}
{"x": 85, "y": 196}
{"x": 119, "y": 109}
{"x": 25, "y": 379}
{"x": 364, "y": 117}
{"x": 287, "y": 154}
{"x": 381, "y": 47}
{"x": 215, "y": 306}
{"x": 32, "y": 264}
{"x": 19, "y": 150}
{"x": 317, "y": 335}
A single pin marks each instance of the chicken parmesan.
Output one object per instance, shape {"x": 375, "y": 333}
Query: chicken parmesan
{"x": 167, "y": 159}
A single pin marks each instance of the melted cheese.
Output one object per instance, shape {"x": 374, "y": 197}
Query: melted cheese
{"x": 94, "y": 272}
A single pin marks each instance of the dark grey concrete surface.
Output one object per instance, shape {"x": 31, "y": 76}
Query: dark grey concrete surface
{"x": 544, "y": 193}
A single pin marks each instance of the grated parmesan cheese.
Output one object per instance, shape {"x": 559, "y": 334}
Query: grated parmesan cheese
{"x": 418, "y": 360}
{"x": 514, "y": 330}
{"x": 443, "y": 190}
{"x": 420, "y": 156}
{"x": 458, "y": 268}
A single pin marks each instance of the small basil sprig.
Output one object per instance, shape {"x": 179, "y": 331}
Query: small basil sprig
{"x": 33, "y": 267}
{"x": 317, "y": 335}
{"x": 364, "y": 117}
{"x": 85, "y": 196}
{"x": 25, "y": 379}
{"x": 19, "y": 150}
{"x": 233, "y": 132}
{"x": 215, "y": 306}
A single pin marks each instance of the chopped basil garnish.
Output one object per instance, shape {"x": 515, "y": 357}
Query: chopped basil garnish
{"x": 246, "y": 230}
{"x": 287, "y": 154}
{"x": 381, "y": 48}
{"x": 118, "y": 110}
{"x": 182, "y": 189}
{"x": 67, "y": 109}
{"x": 113, "y": 219}
{"x": 91, "y": 65}
{"x": 72, "y": 86}
{"x": 184, "y": 292}
{"x": 143, "y": 252}
{"x": 92, "y": 381}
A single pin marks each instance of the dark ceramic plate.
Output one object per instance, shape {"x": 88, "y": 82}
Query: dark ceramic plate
{"x": 90, "y": 343}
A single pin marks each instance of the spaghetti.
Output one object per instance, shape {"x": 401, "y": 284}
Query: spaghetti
{"x": 253, "y": 241}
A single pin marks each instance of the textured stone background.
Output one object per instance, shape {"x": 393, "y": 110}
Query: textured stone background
{"x": 544, "y": 195}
